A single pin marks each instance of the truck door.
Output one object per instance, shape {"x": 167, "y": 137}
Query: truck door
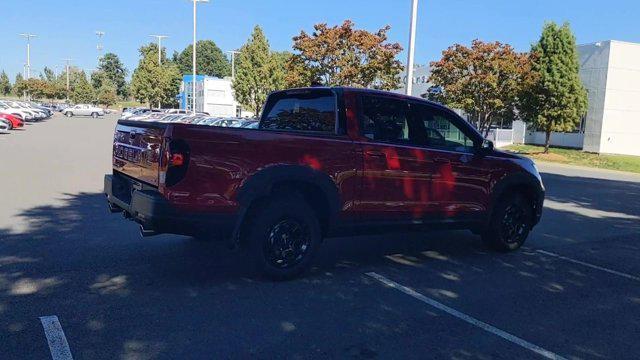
{"x": 460, "y": 179}
{"x": 396, "y": 173}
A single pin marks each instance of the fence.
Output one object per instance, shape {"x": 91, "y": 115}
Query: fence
{"x": 501, "y": 137}
{"x": 520, "y": 135}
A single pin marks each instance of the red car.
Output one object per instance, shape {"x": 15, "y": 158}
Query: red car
{"x": 14, "y": 121}
{"x": 323, "y": 162}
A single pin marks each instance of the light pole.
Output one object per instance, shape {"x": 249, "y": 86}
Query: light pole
{"x": 412, "y": 44}
{"x": 159, "y": 37}
{"x": 67, "y": 71}
{"x": 233, "y": 62}
{"x": 193, "y": 80}
{"x": 99, "y": 47}
{"x": 28, "y": 37}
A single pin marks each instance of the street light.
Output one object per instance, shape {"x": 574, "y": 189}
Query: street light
{"x": 67, "y": 70}
{"x": 100, "y": 34}
{"x": 233, "y": 62}
{"x": 159, "y": 37}
{"x": 412, "y": 44}
{"x": 195, "y": 22}
{"x": 28, "y": 37}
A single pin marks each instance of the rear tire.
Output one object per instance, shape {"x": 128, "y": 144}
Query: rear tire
{"x": 282, "y": 237}
{"x": 10, "y": 125}
{"x": 94, "y": 115}
{"x": 510, "y": 224}
{"x": 68, "y": 114}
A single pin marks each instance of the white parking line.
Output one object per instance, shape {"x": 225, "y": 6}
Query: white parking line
{"x": 610, "y": 271}
{"x": 464, "y": 317}
{"x": 58, "y": 344}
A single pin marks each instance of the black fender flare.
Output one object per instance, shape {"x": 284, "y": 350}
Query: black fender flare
{"x": 262, "y": 183}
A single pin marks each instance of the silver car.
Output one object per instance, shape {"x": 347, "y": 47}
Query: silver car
{"x": 84, "y": 110}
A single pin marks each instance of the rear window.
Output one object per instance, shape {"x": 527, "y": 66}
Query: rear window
{"x": 313, "y": 110}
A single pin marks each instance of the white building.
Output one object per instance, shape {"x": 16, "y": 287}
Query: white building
{"x": 610, "y": 70}
{"x": 214, "y": 96}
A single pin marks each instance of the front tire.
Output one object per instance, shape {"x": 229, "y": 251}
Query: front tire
{"x": 510, "y": 224}
{"x": 94, "y": 115}
{"x": 68, "y": 114}
{"x": 282, "y": 237}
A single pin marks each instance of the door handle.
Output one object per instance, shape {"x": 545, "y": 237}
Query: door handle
{"x": 374, "y": 153}
{"x": 442, "y": 161}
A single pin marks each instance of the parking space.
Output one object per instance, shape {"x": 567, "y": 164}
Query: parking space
{"x": 573, "y": 292}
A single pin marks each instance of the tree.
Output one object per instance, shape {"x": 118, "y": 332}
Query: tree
{"x": 210, "y": 60}
{"x": 48, "y": 75}
{"x": 5, "y": 84}
{"x": 113, "y": 69}
{"x": 107, "y": 94}
{"x": 257, "y": 72}
{"x": 553, "y": 98}
{"x": 99, "y": 78}
{"x": 344, "y": 56}
{"x": 19, "y": 86}
{"x": 154, "y": 83}
{"x": 483, "y": 80}
{"x": 82, "y": 90}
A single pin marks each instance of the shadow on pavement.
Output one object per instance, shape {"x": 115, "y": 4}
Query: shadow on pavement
{"x": 151, "y": 295}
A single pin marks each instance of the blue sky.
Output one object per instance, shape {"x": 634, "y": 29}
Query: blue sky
{"x": 65, "y": 28}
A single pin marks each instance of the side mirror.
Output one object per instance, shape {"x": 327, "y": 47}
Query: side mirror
{"x": 486, "y": 147}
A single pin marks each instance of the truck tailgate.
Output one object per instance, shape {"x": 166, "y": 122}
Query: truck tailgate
{"x": 137, "y": 149}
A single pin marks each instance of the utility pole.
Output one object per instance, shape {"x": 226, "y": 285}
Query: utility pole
{"x": 412, "y": 44}
{"x": 159, "y": 37}
{"x": 67, "y": 70}
{"x": 195, "y": 22}
{"x": 233, "y": 62}
{"x": 28, "y": 66}
{"x": 99, "y": 47}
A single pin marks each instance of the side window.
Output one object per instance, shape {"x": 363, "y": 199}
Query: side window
{"x": 384, "y": 119}
{"x": 301, "y": 111}
{"x": 440, "y": 129}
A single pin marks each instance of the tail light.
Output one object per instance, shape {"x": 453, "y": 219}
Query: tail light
{"x": 173, "y": 162}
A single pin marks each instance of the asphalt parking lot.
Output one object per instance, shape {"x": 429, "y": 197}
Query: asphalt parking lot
{"x": 573, "y": 292}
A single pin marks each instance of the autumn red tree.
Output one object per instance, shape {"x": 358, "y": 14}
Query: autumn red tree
{"x": 484, "y": 80}
{"x": 344, "y": 56}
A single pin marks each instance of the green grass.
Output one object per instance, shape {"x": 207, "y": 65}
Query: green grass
{"x": 578, "y": 157}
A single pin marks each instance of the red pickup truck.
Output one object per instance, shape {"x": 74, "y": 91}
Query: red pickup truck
{"x": 323, "y": 162}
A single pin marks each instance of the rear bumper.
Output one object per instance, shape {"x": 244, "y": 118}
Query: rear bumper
{"x": 157, "y": 216}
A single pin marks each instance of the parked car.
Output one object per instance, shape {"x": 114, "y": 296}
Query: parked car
{"x": 177, "y": 111}
{"x": 250, "y": 124}
{"x": 231, "y": 122}
{"x": 4, "y": 126}
{"x": 38, "y": 114}
{"x": 12, "y": 121}
{"x": 7, "y": 108}
{"x": 84, "y": 110}
{"x": 324, "y": 162}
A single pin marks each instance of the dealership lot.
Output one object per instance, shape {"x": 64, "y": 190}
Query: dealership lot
{"x": 573, "y": 292}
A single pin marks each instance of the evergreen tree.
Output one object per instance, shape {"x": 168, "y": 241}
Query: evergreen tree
{"x": 107, "y": 94}
{"x": 554, "y": 98}
{"x": 82, "y": 90}
{"x": 5, "y": 84}
{"x": 19, "y": 86}
{"x": 113, "y": 69}
{"x": 258, "y": 72}
{"x": 153, "y": 83}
